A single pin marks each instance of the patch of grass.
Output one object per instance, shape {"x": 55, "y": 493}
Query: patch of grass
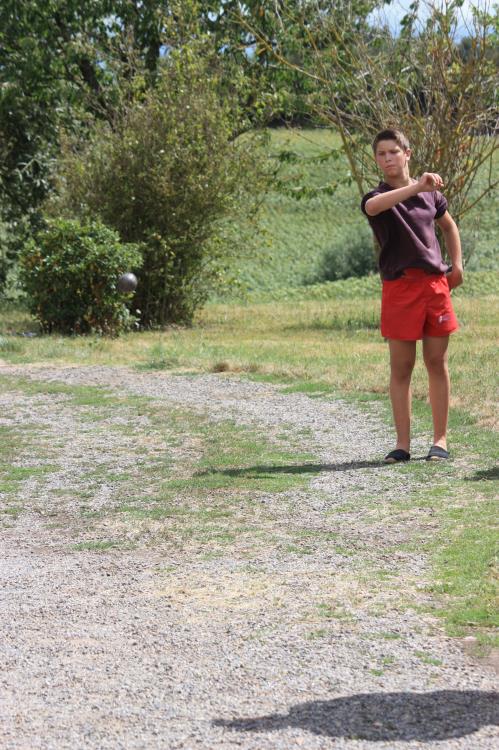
{"x": 154, "y": 513}
{"x": 212, "y": 555}
{"x": 239, "y": 459}
{"x": 294, "y": 549}
{"x": 390, "y": 636}
{"x": 427, "y": 659}
{"x": 318, "y": 534}
{"x": 468, "y": 567}
{"x": 383, "y": 574}
{"x": 315, "y": 634}
{"x": 12, "y": 440}
{"x": 99, "y": 546}
{"x": 313, "y": 390}
{"x": 14, "y": 443}
{"x": 7, "y": 487}
{"x": 388, "y": 660}
{"x": 161, "y": 358}
{"x": 330, "y": 612}
{"x": 13, "y": 510}
{"x": 10, "y": 345}
{"x": 21, "y": 473}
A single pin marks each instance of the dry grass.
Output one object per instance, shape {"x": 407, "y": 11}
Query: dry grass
{"x": 332, "y": 342}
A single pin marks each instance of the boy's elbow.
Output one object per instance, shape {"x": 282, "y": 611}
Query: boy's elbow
{"x": 370, "y": 209}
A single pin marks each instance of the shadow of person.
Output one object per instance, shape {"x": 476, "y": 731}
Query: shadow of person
{"x": 485, "y": 474}
{"x": 381, "y": 717}
{"x": 312, "y": 468}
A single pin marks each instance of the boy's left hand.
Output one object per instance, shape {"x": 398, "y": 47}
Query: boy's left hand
{"x": 455, "y": 277}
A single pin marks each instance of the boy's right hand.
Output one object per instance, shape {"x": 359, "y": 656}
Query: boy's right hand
{"x": 429, "y": 182}
{"x": 455, "y": 276}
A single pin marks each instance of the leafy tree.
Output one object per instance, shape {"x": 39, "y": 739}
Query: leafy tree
{"x": 58, "y": 60}
{"x": 63, "y": 64}
{"x": 63, "y": 59}
{"x": 168, "y": 173}
{"x": 441, "y": 93}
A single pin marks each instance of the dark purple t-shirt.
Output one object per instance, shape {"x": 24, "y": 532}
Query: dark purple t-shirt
{"x": 406, "y": 233}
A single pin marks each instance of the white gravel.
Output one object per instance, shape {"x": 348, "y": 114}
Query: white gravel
{"x": 158, "y": 646}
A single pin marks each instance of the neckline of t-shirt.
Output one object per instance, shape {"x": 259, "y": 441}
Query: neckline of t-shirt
{"x": 385, "y": 184}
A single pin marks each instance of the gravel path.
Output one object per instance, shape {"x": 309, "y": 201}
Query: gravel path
{"x": 157, "y": 646}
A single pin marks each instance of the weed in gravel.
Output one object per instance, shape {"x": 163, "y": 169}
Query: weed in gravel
{"x": 293, "y": 549}
{"x": 212, "y": 555}
{"x": 384, "y": 574}
{"x": 90, "y": 514}
{"x": 388, "y": 661}
{"x": 13, "y": 511}
{"x": 427, "y": 659}
{"x": 100, "y": 545}
{"x": 344, "y": 551}
{"x": 21, "y": 473}
{"x": 330, "y": 612}
{"x": 314, "y": 634}
{"x": 343, "y": 508}
{"x": 142, "y": 512}
{"x": 319, "y": 534}
{"x": 15, "y": 442}
{"x": 6, "y": 488}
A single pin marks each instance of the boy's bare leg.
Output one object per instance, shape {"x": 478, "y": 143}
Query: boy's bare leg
{"x": 435, "y": 359}
{"x": 402, "y": 359}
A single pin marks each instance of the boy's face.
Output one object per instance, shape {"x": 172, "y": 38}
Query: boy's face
{"x": 392, "y": 159}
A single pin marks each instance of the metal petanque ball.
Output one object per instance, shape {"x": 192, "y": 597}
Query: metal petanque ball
{"x": 127, "y": 282}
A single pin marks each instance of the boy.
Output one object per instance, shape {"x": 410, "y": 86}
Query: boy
{"x": 416, "y": 282}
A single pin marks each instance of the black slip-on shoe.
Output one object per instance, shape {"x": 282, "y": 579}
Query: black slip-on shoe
{"x": 436, "y": 453}
{"x": 397, "y": 456}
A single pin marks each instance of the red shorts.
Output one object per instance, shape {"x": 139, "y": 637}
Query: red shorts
{"x": 417, "y": 305}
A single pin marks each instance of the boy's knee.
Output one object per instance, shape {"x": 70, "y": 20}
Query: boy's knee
{"x": 436, "y": 363}
{"x": 402, "y": 369}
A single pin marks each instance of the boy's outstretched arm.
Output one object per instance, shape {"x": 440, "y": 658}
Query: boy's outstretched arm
{"x": 427, "y": 183}
{"x": 453, "y": 245}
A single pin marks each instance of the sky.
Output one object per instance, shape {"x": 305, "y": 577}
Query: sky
{"x": 394, "y": 12}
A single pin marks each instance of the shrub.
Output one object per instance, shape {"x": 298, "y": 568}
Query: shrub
{"x": 69, "y": 272}
{"x": 167, "y": 173}
{"x": 353, "y": 256}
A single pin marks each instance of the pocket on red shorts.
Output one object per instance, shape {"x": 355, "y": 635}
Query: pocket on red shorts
{"x": 440, "y": 316}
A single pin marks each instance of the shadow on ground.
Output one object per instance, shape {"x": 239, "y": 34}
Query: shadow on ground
{"x": 382, "y": 717}
{"x": 297, "y": 468}
{"x": 485, "y": 474}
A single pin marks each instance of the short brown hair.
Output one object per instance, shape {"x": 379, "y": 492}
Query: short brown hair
{"x": 390, "y": 134}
